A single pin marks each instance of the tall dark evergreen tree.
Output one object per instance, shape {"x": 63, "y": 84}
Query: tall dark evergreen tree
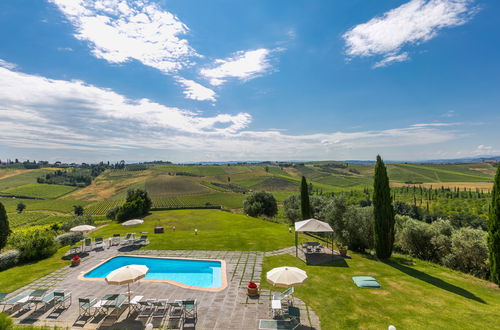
{"x": 494, "y": 231}
{"x": 383, "y": 212}
{"x": 305, "y": 205}
{"x": 4, "y": 227}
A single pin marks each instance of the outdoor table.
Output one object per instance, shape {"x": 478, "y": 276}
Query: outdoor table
{"x": 313, "y": 243}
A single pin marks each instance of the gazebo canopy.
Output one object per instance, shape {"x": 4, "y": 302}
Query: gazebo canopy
{"x": 313, "y": 225}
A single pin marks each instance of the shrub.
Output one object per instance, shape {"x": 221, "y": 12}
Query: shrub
{"x": 261, "y": 203}
{"x": 77, "y": 221}
{"x": 358, "y": 224}
{"x": 142, "y": 198}
{"x": 415, "y": 239}
{"x": 129, "y": 210}
{"x": 69, "y": 238}
{"x": 112, "y": 213}
{"x": 469, "y": 252}
{"x": 6, "y": 322}
{"x": 8, "y": 259}
{"x": 34, "y": 244}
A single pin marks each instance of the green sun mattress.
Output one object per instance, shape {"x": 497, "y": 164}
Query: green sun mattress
{"x": 366, "y": 282}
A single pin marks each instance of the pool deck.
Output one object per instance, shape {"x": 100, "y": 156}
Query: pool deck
{"x": 230, "y": 308}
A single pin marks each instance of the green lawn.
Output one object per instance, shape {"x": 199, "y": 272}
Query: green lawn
{"x": 217, "y": 230}
{"x": 19, "y": 276}
{"x": 412, "y": 297}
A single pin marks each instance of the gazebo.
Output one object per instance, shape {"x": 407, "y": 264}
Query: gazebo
{"x": 312, "y": 226}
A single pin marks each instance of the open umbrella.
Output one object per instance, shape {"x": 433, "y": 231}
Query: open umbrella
{"x": 286, "y": 276}
{"x": 133, "y": 222}
{"x": 126, "y": 275}
{"x": 82, "y": 228}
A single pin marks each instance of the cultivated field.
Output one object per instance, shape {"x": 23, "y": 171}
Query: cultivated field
{"x": 184, "y": 186}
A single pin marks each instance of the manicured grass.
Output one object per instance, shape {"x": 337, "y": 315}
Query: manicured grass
{"x": 217, "y": 230}
{"x": 19, "y": 276}
{"x": 412, "y": 296}
{"x": 40, "y": 190}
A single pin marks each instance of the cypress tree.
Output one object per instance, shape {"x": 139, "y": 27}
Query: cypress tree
{"x": 305, "y": 205}
{"x": 4, "y": 227}
{"x": 383, "y": 212}
{"x": 494, "y": 230}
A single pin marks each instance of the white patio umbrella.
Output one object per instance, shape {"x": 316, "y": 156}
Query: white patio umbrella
{"x": 82, "y": 228}
{"x": 126, "y": 275}
{"x": 133, "y": 222}
{"x": 286, "y": 276}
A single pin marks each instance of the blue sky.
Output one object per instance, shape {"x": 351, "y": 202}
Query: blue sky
{"x": 186, "y": 80}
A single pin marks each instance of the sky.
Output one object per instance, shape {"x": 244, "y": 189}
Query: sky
{"x": 221, "y": 80}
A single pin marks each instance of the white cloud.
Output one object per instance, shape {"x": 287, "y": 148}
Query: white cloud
{"x": 392, "y": 59}
{"x": 196, "y": 91}
{"x": 40, "y": 113}
{"x": 414, "y": 22}
{"x": 7, "y": 65}
{"x": 243, "y": 65}
{"x": 122, "y": 30}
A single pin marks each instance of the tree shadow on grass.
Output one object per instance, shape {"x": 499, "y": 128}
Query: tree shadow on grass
{"x": 434, "y": 281}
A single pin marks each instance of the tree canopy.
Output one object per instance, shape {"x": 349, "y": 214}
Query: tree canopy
{"x": 383, "y": 212}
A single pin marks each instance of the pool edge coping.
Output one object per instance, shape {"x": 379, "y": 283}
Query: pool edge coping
{"x": 181, "y": 285}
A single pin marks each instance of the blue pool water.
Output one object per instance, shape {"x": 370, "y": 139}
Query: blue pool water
{"x": 199, "y": 273}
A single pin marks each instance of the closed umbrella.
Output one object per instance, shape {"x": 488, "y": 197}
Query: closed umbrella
{"x": 133, "y": 222}
{"x": 126, "y": 275}
{"x": 286, "y": 276}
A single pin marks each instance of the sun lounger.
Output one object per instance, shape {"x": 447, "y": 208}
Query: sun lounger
{"x": 129, "y": 239}
{"x": 143, "y": 240}
{"x": 161, "y": 308}
{"x": 17, "y": 300}
{"x": 109, "y": 303}
{"x": 176, "y": 315}
{"x": 285, "y": 294}
{"x": 3, "y": 296}
{"x": 147, "y": 308}
{"x": 278, "y": 324}
{"x": 61, "y": 297}
{"x": 47, "y": 300}
{"x": 116, "y": 239}
{"x": 99, "y": 243}
{"x": 35, "y": 298}
{"x": 134, "y": 303}
{"x": 190, "y": 308}
{"x": 85, "y": 306}
{"x": 74, "y": 248}
{"x": 87, "y": 245}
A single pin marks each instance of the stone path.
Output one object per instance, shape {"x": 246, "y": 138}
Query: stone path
{"x": 227, "y": 309}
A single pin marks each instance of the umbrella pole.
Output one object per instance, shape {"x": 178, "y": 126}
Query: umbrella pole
{"x": 128, "y": 284}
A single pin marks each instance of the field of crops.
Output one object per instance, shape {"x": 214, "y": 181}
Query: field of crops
{"x": 21, "y": 219}
{"x": 198, "y": 170}
{"x": 435, "y": 173}
{"x": 102, "y": 207}
{"x": 58, "y": 205}
{"x": 40, "y": 190}
{"x": 166, "y": 185}
{"x": 22, "y": 178}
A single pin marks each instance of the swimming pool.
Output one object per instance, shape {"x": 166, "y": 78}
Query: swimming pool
{"x": 192, "y": 273}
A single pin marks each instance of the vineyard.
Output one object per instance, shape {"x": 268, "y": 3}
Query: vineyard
{"x": 39, "y": 190}
{"x": 20, "y": 219}
{"x": 102, "y": 207}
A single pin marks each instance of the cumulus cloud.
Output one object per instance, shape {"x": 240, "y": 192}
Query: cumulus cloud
{"x": 196, "y": 91}
{"x": 243, "y": 65}
{"x": 42, "y": 113}
{"x": 414, "y": 22}
{"x": 122, "y": 30}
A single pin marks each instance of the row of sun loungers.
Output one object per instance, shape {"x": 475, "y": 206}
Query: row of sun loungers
{"x": 99, "y": 242}
{"x": 39, "y": 299}
{"x": 154, "y": 311}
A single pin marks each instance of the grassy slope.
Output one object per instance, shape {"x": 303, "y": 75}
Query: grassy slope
{"x": 412, "y": 297}
{"x": 40, "y": 190}
{"x": 217, "y": 230}
{"x": 17, "y": 277}
{"x": 21, "y": 177}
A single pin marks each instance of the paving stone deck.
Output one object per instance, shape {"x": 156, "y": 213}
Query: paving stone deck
{"x": 227, "y": 309}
